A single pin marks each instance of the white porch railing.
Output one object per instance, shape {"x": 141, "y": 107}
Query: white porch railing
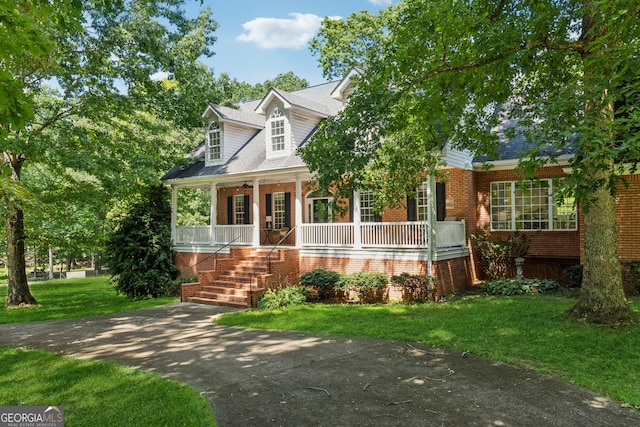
{"x": 332, "y": 234}
{"x": 411, "y": 234}
{"x": 193, "y": 234}
{"x": 238, "y": 234}
{"x": 201, "y": 234}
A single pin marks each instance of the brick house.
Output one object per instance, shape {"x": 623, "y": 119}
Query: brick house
{"x": 266, "y": 225}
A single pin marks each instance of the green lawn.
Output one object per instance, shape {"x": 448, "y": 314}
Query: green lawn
{"x": 92, "y": 393}
{"x": 98, "y": 393}
{"x": 72, "y": 298}
{"x": 534, "y": 332}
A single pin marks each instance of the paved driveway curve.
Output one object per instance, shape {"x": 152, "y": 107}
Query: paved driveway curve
{"x": 271, "y": 378}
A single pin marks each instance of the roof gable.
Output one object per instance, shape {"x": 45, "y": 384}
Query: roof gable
{"x": 292, "y": 101}
{"x": 342, "y": 90}
{"x": 226, "y": 114}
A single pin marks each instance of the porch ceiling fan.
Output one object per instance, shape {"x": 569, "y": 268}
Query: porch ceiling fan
{"x": 245, "y": 185}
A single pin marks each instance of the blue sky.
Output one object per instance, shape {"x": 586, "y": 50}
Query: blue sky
{"x": 257, "y": 40}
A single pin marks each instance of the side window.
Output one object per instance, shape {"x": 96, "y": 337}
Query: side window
{"x": 214, "y": 142}
{"x": 277, "y": 130}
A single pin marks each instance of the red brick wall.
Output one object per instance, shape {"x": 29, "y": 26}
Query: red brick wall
{"x": 452, "y": 275}
{"x": 549, "y": 251}
{"x": 544, "y": 244}
{"x": 628, "y": 210}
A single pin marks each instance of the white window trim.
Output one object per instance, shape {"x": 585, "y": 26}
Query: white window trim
{"x": 278, "y": 214}
{"x": 238, "y": 209}
{"x": 278, "y": 114}
{"x": 310, "y": 201}
{"x": 367, "y": 210}
{"x": 208, "y": 160}
{"x": 551, "y": 205}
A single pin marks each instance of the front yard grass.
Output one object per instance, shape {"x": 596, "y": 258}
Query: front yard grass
{"x": 532, "y": 332}
{"x": 73, "y": 298}
{"x": 92, "y": 393}
{"x": 98, "y": 393}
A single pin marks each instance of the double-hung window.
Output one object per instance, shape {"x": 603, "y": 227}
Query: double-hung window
{"x": 277, "y": 130}
{"x": 367, "y": 213}
{"x": 278, "y": 210}
{"x": 530, "y": 206}
{"x": 238, "y": 209}
{"x": 214, "y": 142}
{"x": 422, "y": 204}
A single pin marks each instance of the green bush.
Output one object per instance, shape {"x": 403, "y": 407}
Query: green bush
{"x": 496, "y": 255}
{"x": 139, "y": 250}
{"x": 574, "y": 275}
{"x": 371, "y": 287}
{"x": 416, "y": 288}
{"x": 283, "y": 297}
{"x": 321, "y": 279}
{"x": 519, "y": 287}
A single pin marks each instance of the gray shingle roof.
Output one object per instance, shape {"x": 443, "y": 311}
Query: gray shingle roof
{"x": 511, "y": 148}
{"x": 251, "y": 157}
{"x": 232, "y": 114}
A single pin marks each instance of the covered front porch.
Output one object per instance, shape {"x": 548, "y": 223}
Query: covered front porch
{"x": 400, "y": 235}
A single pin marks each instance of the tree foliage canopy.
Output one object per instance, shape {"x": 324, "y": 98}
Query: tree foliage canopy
{"x": 139, "y": 250}
{"x": 438, "y": 71}
{"x": 562, "y": 72}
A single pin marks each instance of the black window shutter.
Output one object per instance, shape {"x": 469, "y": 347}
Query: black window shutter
{"x": 351, "y": 207}
{"x": 230, "y": 210}
{"x": 377, "y": 217}
{"x": 412, "y": 209}
{"x": 441, "y": 201}
{"x": 287, "y": 210}
{"x": 247, "y": 209}
{"x": 267, "y": 204}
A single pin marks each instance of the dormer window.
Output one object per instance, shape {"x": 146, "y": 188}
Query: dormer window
{"x": 277, "y": 130}
{"x": 214, "y": 142}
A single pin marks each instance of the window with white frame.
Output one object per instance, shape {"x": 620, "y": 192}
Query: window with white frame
{"x": 530, "y": 206}
{"x": 277, "y": 130}
{"x": 367, "y": 214}
{"x": 278, "y": 210}
{"x": 238, "y": 209}
{"x": 214, "y": 142}
{"x": 422, "y": 198}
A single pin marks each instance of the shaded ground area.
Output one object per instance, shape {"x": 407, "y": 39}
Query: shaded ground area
{"x": 258, "y": 378}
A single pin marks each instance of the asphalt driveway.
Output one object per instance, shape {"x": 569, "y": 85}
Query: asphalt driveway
{"x": 272, "y": 378}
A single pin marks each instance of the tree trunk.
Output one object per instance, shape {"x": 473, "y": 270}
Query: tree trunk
{"x": 602, "y": 297}
{"x": 18, "y": 288}
{"x": 50, "y": 263}
{"x": 18, "y": 292}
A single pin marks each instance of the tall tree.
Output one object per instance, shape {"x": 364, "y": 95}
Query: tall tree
{"x": 99, "y": 57}
{"x": 449, "y": 70}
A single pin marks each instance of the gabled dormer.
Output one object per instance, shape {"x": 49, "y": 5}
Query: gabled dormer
{"x": 346, "y": 86}
{"x": 227, "y": 130}
{"x": 289, "y": 118}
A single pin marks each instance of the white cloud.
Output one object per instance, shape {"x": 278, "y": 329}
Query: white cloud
{"x": 380, "y": 2}
{"x": 273, "y": 33}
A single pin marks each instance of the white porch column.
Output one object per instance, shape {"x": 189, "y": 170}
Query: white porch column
{"x": 357, "y": 229}
{"x": 174, "y": 214}
{"x": 431, "y": 222}
{"x": 256, "y": 212}
{"x": 298, "y": 214}
{"x": 213, "y": 214}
